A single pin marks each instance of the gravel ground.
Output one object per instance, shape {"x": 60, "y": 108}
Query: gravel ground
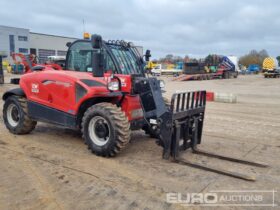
{"x": 51, "y": 168}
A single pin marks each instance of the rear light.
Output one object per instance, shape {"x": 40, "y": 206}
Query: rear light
{"x": 136, "y": 113}
{"x": 113, "y": 85}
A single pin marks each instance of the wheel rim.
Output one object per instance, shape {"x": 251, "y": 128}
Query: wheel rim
{"x": 13, "y": 116}
{"x": 99, "y": 130}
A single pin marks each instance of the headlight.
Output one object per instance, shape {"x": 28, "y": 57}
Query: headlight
{"x": 161, "y": 84}
{"x": 113, "y": 85}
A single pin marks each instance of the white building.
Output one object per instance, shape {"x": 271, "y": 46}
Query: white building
{"x": 20, "y": 40}
{"x": 44, "y": 45}
{"x": 14, "y": 40}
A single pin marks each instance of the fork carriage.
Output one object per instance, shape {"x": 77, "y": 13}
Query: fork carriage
{"x": 179, "y": 127}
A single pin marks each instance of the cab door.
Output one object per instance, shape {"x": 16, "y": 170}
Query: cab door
{"x": 79, "y": 57}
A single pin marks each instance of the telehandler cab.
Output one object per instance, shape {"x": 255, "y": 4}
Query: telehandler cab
{"x": 104, "y": 92}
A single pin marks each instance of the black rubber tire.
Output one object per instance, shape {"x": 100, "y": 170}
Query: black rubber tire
{"x": 226, "y": 75}
{"x": 25, "y": 124}
{"x": 119, "y": 128}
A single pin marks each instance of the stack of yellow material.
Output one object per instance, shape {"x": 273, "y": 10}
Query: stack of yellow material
{"x": 151, "y": 65}
{"x": 269, "y": 64}
{"x": 170, "y": 66}
{"x": 5, "y": 64}
{"x": 9, "y": 69}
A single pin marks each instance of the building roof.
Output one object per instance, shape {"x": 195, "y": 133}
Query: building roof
{"x": 54, "y": 35}
{"x": 14, "y": 27}
{"x": 38, "y": 33}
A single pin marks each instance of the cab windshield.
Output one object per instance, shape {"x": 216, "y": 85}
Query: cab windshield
{"x": 126, "y": 59}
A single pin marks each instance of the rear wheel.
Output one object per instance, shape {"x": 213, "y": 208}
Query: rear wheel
{"x": 226, "y": 75}
{"x": 15, "y": 116}
{"x": 105, "y": 129}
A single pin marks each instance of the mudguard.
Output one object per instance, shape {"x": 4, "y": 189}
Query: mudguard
{"x": 15, "y": 91}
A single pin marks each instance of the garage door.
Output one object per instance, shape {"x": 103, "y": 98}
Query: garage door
{"x": 43, "y": 54}
{"x": 61, "y": 53}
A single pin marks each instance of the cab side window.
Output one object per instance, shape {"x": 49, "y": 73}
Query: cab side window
{"x": 80, "y": 58}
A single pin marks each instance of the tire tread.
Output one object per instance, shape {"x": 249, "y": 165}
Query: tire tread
{"x": 121, "y": 127}
{"x": 28, "y": 124}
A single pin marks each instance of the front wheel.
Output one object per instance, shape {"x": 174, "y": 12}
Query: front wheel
{"x": 15, "y": 116}
{"x": 105, "y": 129}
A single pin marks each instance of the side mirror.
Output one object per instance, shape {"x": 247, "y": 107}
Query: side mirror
{"x": 97, "y": 64}
{"x": 96, "y": 41}
{"x": 147, "y": 55}
{"x": 97, "y": 56}
{"x": 68, "y": 44}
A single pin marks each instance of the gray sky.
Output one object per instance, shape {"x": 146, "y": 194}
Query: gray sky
{"x": 180, "y": 27}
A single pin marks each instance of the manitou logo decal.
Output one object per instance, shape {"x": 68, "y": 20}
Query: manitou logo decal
{"x": 35, "y": 88}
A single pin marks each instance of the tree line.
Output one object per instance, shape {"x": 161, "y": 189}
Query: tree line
{"x": 253, "y": 57}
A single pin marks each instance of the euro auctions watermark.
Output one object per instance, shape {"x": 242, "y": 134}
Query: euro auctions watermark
{"x": 264, "y": 198}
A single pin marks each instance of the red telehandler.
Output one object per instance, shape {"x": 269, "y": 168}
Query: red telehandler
{"x": 30, "y": 61}
{"x": 105, "y": 93}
